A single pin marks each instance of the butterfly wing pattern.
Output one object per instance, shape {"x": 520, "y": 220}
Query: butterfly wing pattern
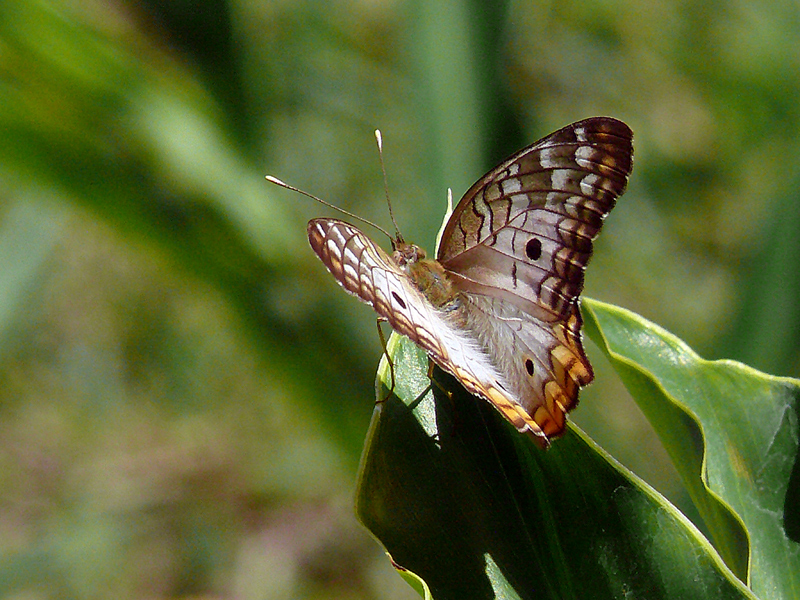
{"x": 517, "y": 245}
{"x": 514, "y": 251}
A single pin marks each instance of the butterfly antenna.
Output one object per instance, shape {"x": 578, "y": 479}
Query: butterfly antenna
{"x": 277, "y": 181}
{"x": 398, "y": 237}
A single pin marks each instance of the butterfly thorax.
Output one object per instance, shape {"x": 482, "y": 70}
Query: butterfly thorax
{"x": 428, "y": 275}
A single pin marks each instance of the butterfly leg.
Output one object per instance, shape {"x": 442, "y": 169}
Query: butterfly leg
{"x": 431, "y": 367}
{"x": 433, "y": 382}
{"x": 421, "y": 396}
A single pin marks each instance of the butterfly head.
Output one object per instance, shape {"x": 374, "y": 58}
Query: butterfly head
{"x": 406, "y": 254}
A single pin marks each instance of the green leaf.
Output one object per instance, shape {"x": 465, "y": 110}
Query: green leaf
{"x": 732, "y": 433}
{"x": 412, "y": 579}
{"x": 457, "y": 496}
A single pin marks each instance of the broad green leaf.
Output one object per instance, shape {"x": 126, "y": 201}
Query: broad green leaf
{"x": 475, "y": 509}
{"x": 732, "y": 433}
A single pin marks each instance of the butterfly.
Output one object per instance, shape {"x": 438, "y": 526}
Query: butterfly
{"x": 498, "y": 308}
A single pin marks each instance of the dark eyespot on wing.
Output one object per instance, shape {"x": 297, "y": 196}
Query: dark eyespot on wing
{"x": 533, "y": 249}
{"x": 399, "y": 300}
{"x": 529, "y": 366}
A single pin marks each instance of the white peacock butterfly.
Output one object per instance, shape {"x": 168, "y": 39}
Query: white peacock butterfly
{"x": 498, "y": 308}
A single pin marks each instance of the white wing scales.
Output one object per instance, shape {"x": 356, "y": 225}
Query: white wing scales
{"x": 537, "y": 359}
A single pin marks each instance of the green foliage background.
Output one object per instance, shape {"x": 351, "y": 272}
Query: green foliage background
{"x": 184, "y": 392}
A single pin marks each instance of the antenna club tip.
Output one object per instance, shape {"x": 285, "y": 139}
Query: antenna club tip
{"x": 379, "y": 137}
{"x": 274, "y": 180}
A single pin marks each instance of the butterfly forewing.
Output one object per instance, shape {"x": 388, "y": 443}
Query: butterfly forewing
{"x": 564, "y": 184}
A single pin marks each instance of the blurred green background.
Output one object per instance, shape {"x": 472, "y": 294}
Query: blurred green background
{"x": 184, "y": 390}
